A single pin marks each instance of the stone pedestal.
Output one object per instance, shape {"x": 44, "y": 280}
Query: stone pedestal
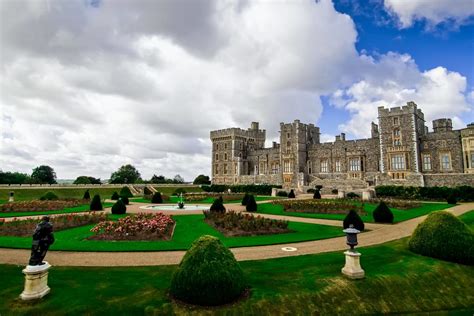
{"x": 274, "y": 191}
{"x": 341, "y": 194}
{"x": 352, "y": 268}
{"x": 366, "y": 195}
{"x": 36, "y": 282}
{"x": 11, "y": 199}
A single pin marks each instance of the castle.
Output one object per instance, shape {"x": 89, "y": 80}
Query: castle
{"x": 400, "y": 151}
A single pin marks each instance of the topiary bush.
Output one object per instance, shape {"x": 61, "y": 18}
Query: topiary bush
{"x": 443, "y": 236}
{"x": 147, "y": 191}
{"x": 157, "y": 198}
{"x": 87, "y": 195}
{"x": 251, "y": 204}
{"x": 245, "y": 199}
{"x": 208, "y": 275}
{"x": 49, "y": 196}
{"x": 96, "y": 204}
{"x": 353, "y": 218}
{"x": 218, "y": 205}
{"x": 282, "y": 193}
{"x": 291, "y": 195}
{"x": 115, "y": 196}
{"x": 125, "y": 200}
{"x": 119, "y": 207}
{"x": 125, "y": 191}
{"x": 382, "y": 214}
{"x": 317, "y": 194}
{"x": 452, "y": 199}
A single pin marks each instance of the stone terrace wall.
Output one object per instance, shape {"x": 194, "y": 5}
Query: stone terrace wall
{"x": 449, "y": 180}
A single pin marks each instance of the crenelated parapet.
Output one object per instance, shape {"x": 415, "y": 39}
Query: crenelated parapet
{"x": 253, "y": 132}
{"x": 409, "y": 108}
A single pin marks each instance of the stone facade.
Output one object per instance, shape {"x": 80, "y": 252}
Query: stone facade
{"x": 400, "y": 151}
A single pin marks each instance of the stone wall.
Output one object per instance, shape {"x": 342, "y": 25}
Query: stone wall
{"x": 449, "y": 180}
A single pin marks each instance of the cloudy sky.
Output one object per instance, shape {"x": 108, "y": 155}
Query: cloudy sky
{"x": 89, "y": 85}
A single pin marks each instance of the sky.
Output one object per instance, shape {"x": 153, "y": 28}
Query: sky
{"x": 89, "y": 85}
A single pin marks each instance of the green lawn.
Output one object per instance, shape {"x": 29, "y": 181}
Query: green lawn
{"x": 468, "y": 218}
{"x": 397, "y": 281}
{"x": 188, "y": 228}
{"x": 399, "y": 215}
{"x": 80, "y": 208}
{"x": 25, "y": 194}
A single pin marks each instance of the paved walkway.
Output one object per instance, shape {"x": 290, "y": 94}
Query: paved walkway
{"x": 379, "y": 234}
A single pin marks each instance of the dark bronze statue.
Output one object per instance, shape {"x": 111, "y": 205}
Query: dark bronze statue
{"x": 42, "y": 238}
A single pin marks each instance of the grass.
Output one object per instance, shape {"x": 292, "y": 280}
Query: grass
{"x": 397, "y": 281}
{"x": 399, "y": 215}
{"x": 76, "y": 209}
{"x": 188, "y": 228}
{"x": 209, "y": 200}
{"x": 468, "y": 218}
{"x": 26, "y": 194}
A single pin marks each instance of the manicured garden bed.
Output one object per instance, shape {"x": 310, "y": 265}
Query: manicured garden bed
{"x": 188, "y": 228}
{"x": 40, "y": 206}
{"x": 301, "y": 285}
{"x": 399, "y": 215}
{"x": 208, "y": 200}
{"x": 76, "y": 209}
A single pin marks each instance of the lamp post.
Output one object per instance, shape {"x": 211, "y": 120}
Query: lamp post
{"x": 352, "y": 269}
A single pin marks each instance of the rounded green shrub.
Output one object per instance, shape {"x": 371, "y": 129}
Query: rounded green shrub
{"x": 451, "y": 199}
{"x": 251, "y": 204}
{"x": 125, "y": 191}
{"x": 49, "y": 196}
{"x": 119, "y": 207}
{"x": 291, "y": 195}
{"x": 218, "y": 205}
{"x": 382, "y": 214}
{"x": 157, "y": 198}
{"x": 443, "y": 236}
{"x": 353, "y": 218}
{"x": 125, "y": 200}
{"x": 317, "y": 194}
{"x": 96, "y": 204}
{"x": 115, "y": 196}
{"x": 87, "y": 195}
{"x": 208, "y": 275}
{"x": 245, "y": 199}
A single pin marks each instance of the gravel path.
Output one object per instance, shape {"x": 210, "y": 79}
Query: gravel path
{"x": 378, "y": 234}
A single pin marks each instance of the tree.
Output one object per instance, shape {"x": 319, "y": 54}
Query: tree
{"x": 158, "y": 179}
{"x": 202, "y": 179}
{"x": 178, "y": 179}
{"x": 125, "y": 174}
{"x": 44, "y": 174}
{"x": 87, "y": 180}
{"x": 14, "y": 178}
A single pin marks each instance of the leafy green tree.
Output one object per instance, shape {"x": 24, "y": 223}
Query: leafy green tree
{"x": 87, "y": 180}
{"x": 125, "y": 174}
{"x": 44, "y": 174}
{"x": 158, "y": 179}
{"x": 178, "y": 179}
{"x": 202, "y": 179}
{"x": 14, "y": 178}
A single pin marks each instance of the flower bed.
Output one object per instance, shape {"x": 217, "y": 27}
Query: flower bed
{"x": 25, "y": 228}
{"x": 37, "y": 205}
{"x": 192, "y": 197}
{"x": 398, "y": 204}
{"x": 321, "y": 206}
{"x": 237, "y": 224}
{"x": 141, "y": 226}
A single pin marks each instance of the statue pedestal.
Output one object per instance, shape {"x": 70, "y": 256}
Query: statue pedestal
{"x": 352, "y": 268}
{"x": 36, "y": 282}
{"x": 341, "y": 194}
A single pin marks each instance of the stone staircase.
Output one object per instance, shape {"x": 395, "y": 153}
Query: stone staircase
{"x": 347, "y": 185}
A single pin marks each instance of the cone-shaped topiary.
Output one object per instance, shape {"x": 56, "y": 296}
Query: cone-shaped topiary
{"x": 245, "y": 199}
{"x": 291, "y": 195}
{"x": 208, "y": 274}
{"x": 442, "y": 235}
{"x": 125, "y": 200}
{"x": 218, "y": 205}
{"x": 353, "y": 218}
{"x": 119, "y": 207}
{"x": 382, "y": 214}
{"x": 125, "y": 191}
{"x": 96, "y": 204}
{"x": 157, "y": 198}
{"x": 317, "y": 195}
{"x": 115, "y": 196}
{"x": 251, "y": 204}
{"x": 87, "y": 195}
{"x": 49, "y": 196}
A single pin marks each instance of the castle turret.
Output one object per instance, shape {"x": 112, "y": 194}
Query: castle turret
{"x": 442, "y": 125}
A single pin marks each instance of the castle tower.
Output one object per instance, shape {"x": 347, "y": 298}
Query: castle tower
{"x": 399, "y": 133}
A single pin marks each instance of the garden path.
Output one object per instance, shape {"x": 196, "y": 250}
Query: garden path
{"x": 381, "y": 234}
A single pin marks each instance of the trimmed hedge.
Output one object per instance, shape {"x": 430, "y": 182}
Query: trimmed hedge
{"x": 465, "y": 193}
{"x": 87, "y": 195}
{"x": 282, "y": 193}
{"x": 96, "y": 204}
{"x": 208, "y": 275}
{"x": 443, "y": 236}
{"x": 157, "y": 198}
{"x": 382, "y": 214}
{"x": 119, "y": 207}
{"x": 49, "y": 196}
{"x": 451, "y": 200}
{"x": 217, "y": 206}
{"x": 256, "y": 189}
{"x": 115, "y": 196}
{"x": 291, "y": 195}
{"x": 353, "y": 218}
{"x": 125, "y": 191}
{"x": 251, "y": 204}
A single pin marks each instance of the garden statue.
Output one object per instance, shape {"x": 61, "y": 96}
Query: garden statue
{"x": 42, "y": 238}
{"x": 181, "y": 201}
{"x": 10, "y": 196}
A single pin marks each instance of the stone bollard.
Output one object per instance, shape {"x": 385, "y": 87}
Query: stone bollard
{"x": 274, "y": 191}
{"x": 341, "y": 194}
{"x": 366, "y": 195}
{"x": 36, "y": 282}
{"x": 352, "y": 269}
{"x": 10, "y": 196}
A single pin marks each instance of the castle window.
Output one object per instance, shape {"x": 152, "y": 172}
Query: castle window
{"x": 396, "y": 137}
{"x": 225, "y": 168}
{"x": 310, "y": 166}
{"x": 288, "y": 135}
{"x": 472, "y": 160}
{"x": 324, "y": 166}
{"x": 240, "y": 155}
{"x": 398, "y": 162}
{"x": 354, "y": 164}
{"x": 396, "y": 121}
{"x": 275, "y": 168}
{"x": 225, "y": 146}
{"x": 287, "y": 166}
{"x": 445, "y": 159}
{"x": 217, "y": 157}
{"x": 217, "y": 146}
{"x": 426, "y": 162}
{"x": 225, "y": 156}
{"x": 262, "y": 168}
{"x": 235, "y": 169}
{"x": 216, "y": 169}
{"x": 338, "y": 166}
{"x": 288, "y": 147}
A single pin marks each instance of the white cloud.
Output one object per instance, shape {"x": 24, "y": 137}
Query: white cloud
{"x": 432, "y": 11}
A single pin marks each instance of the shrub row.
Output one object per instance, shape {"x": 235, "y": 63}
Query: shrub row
{"x": 398, "y": 204}
{"x": 257, "y": 189}
{"x": 461, "y": 193}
